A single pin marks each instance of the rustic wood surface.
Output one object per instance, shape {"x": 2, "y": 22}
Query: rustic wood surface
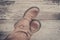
{"x": 12, "y": 10}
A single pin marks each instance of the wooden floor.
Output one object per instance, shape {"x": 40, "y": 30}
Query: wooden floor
{"x": 49, "y": 16}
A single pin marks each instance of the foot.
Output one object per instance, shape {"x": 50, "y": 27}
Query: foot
{"x": 27, "y": 23}
{"x": 35, "y": 25}
{"x": 31, "y": 13}
{"x": 25, "y": 27}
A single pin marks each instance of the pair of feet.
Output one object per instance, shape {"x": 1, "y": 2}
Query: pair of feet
{"x": 28, "y": 25}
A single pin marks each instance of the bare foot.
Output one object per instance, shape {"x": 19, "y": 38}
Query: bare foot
{"x": 25, "y": 27}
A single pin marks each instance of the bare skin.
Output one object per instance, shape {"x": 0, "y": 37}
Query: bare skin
{"x": 26, "y": 27}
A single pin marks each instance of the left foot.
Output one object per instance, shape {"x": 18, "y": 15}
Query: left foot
{"x": 35, "y": 25}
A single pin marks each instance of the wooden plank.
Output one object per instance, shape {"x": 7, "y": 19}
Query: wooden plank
{"x": 50, "y": 30}
{"x": 16, "y": 11}
{"x": 8, "y": 25}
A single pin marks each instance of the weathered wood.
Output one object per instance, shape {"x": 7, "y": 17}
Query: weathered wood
{"x": 49, "y": 16}
{"x": 50, "y": 29}
{"x": 16, "y": 10}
